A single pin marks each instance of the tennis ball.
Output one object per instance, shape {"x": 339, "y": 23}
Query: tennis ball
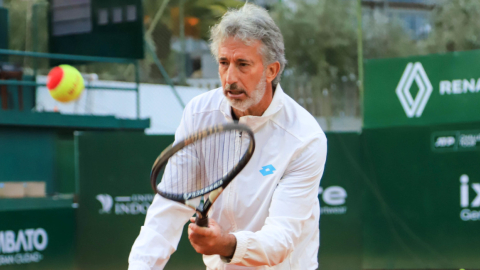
{"x": 65, "y": 83}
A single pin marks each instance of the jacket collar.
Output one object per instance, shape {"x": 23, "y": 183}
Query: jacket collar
{"x": 256, "y": 121}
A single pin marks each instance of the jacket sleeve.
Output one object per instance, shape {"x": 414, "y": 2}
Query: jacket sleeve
{"x": 163, "y": 227}
{"x": 293, "y": 208}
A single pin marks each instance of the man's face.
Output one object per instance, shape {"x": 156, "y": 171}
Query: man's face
{"x": 242, "y": 73}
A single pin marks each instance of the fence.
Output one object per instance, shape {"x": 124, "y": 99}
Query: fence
{"x": 17, "y": 75}
{"x": 339, "y": 99}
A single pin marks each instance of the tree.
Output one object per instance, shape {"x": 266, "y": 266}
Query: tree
{"x": 321, "y": 49}
{"x": 455, "y": 27}
{"x": 386, "y": 37}
{"x": 22, "y": 24}
{"x": 200, "y": 16}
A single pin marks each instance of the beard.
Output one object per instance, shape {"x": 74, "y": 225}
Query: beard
{"x": 251, "y": 100}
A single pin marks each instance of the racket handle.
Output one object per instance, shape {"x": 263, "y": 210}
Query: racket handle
{"x": 202, "y": 222}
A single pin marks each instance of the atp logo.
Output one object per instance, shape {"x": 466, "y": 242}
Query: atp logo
{"x": 107, "y": 203}
{"x": 414, "y": 106}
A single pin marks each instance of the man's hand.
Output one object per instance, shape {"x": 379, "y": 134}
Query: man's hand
{"x": 211, "y": 240}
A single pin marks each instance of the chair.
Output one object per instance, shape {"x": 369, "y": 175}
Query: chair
{"x": 4, "y": 94}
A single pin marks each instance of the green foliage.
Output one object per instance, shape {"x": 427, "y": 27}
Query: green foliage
{"x": 28, "y": 33}
{"x": 321, "y": 50}
{"x": 385, "y": 37}
{"x": 455, "y": 27}
{"x": 207, "y": 11}
{"x": 321, "y": 37}
{"x": 24, "y": 34}
{"x": 21, "y": 26}
{"x": 17, "y": 25}
{"x": 318, "y": 38}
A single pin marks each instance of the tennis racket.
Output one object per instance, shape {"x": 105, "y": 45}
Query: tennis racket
{"x": 204, "y": 163}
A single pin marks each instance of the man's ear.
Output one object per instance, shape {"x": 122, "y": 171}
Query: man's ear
{"x": 272, "y": 71}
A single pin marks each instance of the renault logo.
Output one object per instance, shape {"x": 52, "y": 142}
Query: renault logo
{"x": 414, "y": 106}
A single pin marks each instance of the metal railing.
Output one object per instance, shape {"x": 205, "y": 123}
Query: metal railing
{"x": 77, "y": 58}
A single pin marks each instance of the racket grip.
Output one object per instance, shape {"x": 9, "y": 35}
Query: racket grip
{"x": 202, "y": 222}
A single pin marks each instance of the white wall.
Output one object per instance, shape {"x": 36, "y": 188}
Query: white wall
{"x": 157, "y": 102}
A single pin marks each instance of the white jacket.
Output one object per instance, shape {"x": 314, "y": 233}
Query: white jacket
{"x": 275, "y": 217}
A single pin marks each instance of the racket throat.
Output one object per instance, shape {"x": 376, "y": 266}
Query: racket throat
{"x": 199, "y": 214}
{"x": 200, "y": 210}
{"x": 201, "y": 218}
{"x": 191, "y": 205}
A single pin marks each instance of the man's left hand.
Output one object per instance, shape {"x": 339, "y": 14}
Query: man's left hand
{"x": 212, "y": 239}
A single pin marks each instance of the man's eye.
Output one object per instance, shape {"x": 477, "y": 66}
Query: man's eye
{"x": 223, "y": 63}
{"x": 243, "y": 64}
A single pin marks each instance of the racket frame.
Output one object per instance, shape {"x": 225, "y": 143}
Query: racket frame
{"x": 216, "y": 188}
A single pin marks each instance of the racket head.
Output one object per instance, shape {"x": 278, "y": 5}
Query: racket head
{"x": 192, "y": 145}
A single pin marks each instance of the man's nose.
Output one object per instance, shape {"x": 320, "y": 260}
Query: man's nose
{"x": 232, "y": 74}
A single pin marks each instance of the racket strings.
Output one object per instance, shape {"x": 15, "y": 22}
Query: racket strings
{"x": 203, "y": 162}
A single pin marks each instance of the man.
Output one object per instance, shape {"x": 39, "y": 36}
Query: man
{"x": 264, "y": 218}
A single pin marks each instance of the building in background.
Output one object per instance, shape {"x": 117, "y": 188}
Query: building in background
{"x": 201, "y": 67}
{"x": 94, "y": 27}
{"x": 415, "y": 14}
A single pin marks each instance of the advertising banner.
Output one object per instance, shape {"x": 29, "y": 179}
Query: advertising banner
{"x": 115, "y": 193}
{"x": 37, "y": 239}
{"x": 422, "y": 90}
{"x": 340, "y": 204}
{"x": 421, "y": 206}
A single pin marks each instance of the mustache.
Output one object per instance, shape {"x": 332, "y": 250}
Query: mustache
{"x": 234, "y": 87}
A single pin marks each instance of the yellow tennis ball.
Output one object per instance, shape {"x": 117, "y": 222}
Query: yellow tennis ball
{"x": 65, "y": 83}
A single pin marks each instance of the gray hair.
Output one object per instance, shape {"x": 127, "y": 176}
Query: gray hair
{"x": 250, "y": 23}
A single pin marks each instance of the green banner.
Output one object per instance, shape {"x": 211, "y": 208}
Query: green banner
{"x": 37, "y": 239}
{"x": 422, "y": 90}
{"x": 115, "y": 193}
{"x": 97, "y": 33}
{"x": 113, "y": 171}
{"x": 421, "y": 208}
{"x": 33, "y": 147}
{"x": 340, "y": 202}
